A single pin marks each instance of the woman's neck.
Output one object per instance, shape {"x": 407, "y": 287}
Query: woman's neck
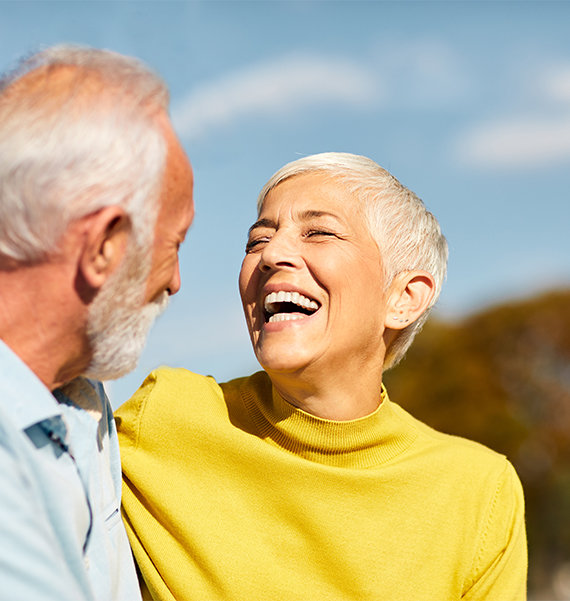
{"x": 337, "y": 397}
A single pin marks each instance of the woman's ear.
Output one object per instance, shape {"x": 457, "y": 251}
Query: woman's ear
{"x": 410, "y": 295}
{"x": 105, "y": 238}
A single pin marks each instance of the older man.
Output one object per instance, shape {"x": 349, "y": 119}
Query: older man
{"x": 95, "y": 200}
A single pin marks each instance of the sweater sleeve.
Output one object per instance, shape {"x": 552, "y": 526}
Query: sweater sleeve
{"x": 129, "y": 420}
{"x": 500, "y": 565}
{"x": 155, "y": 435}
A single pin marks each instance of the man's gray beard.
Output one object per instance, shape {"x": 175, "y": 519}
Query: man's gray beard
{"x": 119, "y": 321}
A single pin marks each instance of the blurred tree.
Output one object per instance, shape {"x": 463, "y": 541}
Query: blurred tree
{"x": 502, "y": 377}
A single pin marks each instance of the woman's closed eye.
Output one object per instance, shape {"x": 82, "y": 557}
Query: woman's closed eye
{"x": 255, "y": 243}
{"x": 320, "y": 232}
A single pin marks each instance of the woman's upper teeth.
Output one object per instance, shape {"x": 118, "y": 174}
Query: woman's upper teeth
{"x": 288, "y": 297}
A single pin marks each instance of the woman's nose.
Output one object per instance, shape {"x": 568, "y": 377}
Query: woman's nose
{"x": 279, "y": 253}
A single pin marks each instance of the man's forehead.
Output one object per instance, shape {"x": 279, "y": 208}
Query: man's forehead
{"x": 178, "y": 180}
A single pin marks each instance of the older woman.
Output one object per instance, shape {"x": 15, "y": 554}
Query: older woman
{"x": 304, "y": 481}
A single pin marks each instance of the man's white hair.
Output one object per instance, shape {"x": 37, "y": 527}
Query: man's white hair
{"x": 408, "y": 235}
{"x": 78, "y": 132}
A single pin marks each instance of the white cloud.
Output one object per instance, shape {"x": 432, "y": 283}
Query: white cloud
{"x": 274, "y": 87}
{"x": 536, "y": 136}
{"x": 532, "y": 142}
{"x": 556, "y": 83}
{"x": 421, "y": 74}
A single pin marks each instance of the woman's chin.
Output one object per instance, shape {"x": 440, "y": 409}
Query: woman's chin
{"x": 284, "y": 362}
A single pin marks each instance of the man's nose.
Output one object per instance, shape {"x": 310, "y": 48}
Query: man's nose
{"x": 175, "y": 282}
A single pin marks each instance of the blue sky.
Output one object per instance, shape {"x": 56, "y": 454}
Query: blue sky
{"x": 467, "y": 103}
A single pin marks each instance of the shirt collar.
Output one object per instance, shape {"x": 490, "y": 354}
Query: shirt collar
{"x": 23, "y": 396}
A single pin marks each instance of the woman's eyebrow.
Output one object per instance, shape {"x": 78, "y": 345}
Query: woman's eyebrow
{"x": 262, "y": 223}
{"x": 312, "y": 213}
{"x": 304, "y": 216}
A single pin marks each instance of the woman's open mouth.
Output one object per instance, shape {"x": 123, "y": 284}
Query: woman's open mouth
{"x": 287, "y": 306}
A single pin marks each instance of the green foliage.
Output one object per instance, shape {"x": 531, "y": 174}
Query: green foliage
{"x": 502, "y": 377}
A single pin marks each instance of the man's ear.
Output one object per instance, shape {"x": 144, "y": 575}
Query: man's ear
{"x": 105, "y": 237}
{"x": 410, "y": 295}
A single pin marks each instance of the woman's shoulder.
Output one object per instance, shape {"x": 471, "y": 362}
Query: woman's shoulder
{"x": 185, "y": 381}
{"x": 176, "y": 383}
{"x": 465, "y": 470}
{"x": 171, "y": 395}
{"x": 450, "y": 449}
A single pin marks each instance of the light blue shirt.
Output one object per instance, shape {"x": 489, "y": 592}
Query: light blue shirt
{"x": 61, "y": 533}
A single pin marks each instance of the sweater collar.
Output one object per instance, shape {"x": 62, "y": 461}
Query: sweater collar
{"x": 359, "y": 443}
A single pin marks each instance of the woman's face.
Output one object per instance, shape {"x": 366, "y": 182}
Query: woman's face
{"x": 311, "y": 282}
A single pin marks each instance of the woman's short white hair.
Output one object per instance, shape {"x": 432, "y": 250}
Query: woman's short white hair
{"x": 78, "y": 132}
{"x": 408, "y": 235}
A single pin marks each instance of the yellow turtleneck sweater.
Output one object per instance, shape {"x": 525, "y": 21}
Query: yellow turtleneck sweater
{"x": 232, "y": 494}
